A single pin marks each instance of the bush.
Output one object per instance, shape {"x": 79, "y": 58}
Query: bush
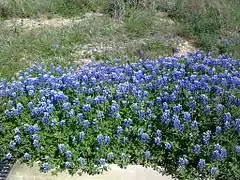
{"x": 206, "y": 21}
{"x": 138, "y": 22}
{"x": 181, "y": 114}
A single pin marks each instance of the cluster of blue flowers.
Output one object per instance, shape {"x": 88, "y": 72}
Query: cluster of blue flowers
{"x": 184, "y": 111}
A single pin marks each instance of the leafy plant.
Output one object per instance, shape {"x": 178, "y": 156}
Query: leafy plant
{"x": 178, "y": 113}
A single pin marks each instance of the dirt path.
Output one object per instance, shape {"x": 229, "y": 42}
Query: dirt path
{"x": 56, "y": 22}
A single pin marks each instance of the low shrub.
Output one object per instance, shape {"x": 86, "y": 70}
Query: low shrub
{"x": 179, "y": 113}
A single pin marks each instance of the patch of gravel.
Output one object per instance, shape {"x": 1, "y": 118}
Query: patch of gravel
{"x": 184, "y": 48}
{"x": 31, "y": 24}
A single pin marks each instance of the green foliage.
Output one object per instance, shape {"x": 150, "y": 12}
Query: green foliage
{"x": 138, "y": 22}
{"x": 29, "y": 8}
{"x": 206, "y": 21}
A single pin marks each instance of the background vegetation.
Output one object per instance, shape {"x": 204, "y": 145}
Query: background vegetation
{"x": 133, "y": 27}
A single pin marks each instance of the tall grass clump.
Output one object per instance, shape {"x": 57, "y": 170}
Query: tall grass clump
{"x": 207, "y": 22}
{"x": 30, "y": 8}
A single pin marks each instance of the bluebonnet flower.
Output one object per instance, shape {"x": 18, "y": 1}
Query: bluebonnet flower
{"x": 99, "y": 100}
{"x": 74, "y": 140}
{"x": 66, "y": 106}
{"x": 192, "y": 105}
{"x": 61, "y": 148}
{"x": 226, "y": 125}
{"x": 107, "y": 139}
{"x": 20, "y": 108}
{"x": 117, "y": 116}
{"x": 89, "y": 99}
{"x": 123, "y": 156}
{"x": 203, "y": 99}
{"x": 177, "y": 109}
{"x": 81, "y": 136}
{"x": 68, "y": 154}
{"x": 165, "y": 106}
{"x": 86, "y": 124}
{"x": 47, "y": 158}
{"x": 147, "y": 155}
{"x": 207, "y": 109}
{"x": 68, "y": 165}
{"x": 140, "y": 131}
{"x": 206, "y": 137}
{"x": 237, "y": 149}
{"x": 144, "y": 138}
{"x": 176, "y": 122}
{"x": 197, "y": 149}
{"x": 114, "y": 108}
{"x": 159, "y": 100}
{"x": 182, "y": 162}
{"x": 166, "y": 99}
{"x": 86, "y": 108}
{"x": 218, "y": 153}
{"x": 12, "y": 144}
{"x": 127, "y": 122}
{"x": 213, "y": 171}
{"x": 194, "y": 124}
{"x": 201, "y": 164}
{"x": 80, "y": 118}
{"x": 168, "y": 146}
{"x": 158, "y": 133}
{"x": 186, "y": 116}
{"x": 95, "y": 122}
{"x": 46, "y": 167}
{"x": 54, "y": 123}
{"x": 103, "y": 140}
{"x": 102, "y": 162}
{"x": 82, "y": 162}
{"x": 110, "y": 156}
{"x": 141, "y": 114}
{"x": 30, "y": 105}
{"x": 71, "y": 113}
{"x": 11, "y": 103}
{"x": 125, "y": 140}
{"x": 150, "y": 104}
{"x": 227, "y": 116}
{"x": 157, "y": 141}
{"x": 16, "y": 130}
{"x": 219, "y": 108}
{"x": 119, "y": 130}
{"x": 76, "y": 102}
{"x": 166, "y": 117}
{"x": 62, "y": 123}
{"x": 17, "y": 139}
{"x": 27, "y": 156}
{"x": 31, "y": 93}
{"x": 9, "y": 156}
{"x": 36, "y": 143}
{"x": 231, "y": 100}
{"x": 218, "y": 130}
{"x": 100, "y": 114}
{"x": 31, "y": 129}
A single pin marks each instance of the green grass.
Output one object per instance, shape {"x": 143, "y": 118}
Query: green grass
{"x": 25, "y": 48}
{"x": 127, "y": 29}
{"x": 30, "y": 8}
{"x": 21, "y": 48}
{"x": 206, "y": 22}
